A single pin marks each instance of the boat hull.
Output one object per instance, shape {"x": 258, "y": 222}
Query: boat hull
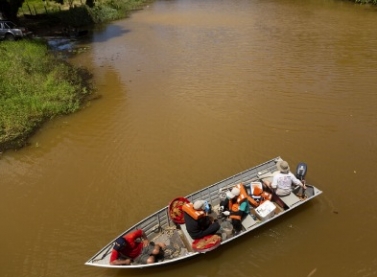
{"x": 159, "y": 227}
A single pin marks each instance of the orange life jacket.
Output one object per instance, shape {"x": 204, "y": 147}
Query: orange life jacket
{"x": 266, "y": 196}
{"x": 234, "y": 207}
{"x": 256, "y": 193}
{"x": 244, "y": 196}
{"x": 189, "y": 209}
{"x": 259, "y": 195}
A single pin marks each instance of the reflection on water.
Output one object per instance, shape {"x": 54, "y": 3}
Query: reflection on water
{"x": 193, "y": 92}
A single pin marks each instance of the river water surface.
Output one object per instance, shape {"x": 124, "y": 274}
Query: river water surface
{"x": 192, "y": 92}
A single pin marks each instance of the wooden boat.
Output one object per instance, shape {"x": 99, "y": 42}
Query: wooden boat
{"x": 163, "y": 226}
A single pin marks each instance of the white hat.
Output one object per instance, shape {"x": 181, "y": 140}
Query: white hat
{"x": 199, "y": 205}
{"x": 231, "y": 194}
{"x": 284, "y": 167}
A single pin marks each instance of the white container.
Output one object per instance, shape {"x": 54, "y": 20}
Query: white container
{"x": 226, "y": 229}
{"x": 266, "y": 210}
{"x": 257, "y": 184}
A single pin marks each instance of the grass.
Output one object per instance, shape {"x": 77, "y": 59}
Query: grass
{"x": 80, "y": 15}
{"x": 35, "y": 87}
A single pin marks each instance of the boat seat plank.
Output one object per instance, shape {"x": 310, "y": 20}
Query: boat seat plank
{"x": 186, "y": 237}
{"x": 290, "y": 199}
{"x": 248, "y": 222}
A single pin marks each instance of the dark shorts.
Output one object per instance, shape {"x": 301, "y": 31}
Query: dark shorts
{"x": 145, "y": 254}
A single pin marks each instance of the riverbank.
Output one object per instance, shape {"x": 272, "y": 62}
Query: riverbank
{"x": 51, "y": 18}
{"x": 36, "y": 87}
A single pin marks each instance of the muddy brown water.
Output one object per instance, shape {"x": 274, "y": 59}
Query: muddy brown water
{"x": 192, "y": 92}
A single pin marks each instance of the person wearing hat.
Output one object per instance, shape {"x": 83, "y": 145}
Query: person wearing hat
{"x": 135, "y": 247}
{"x": 236, "y": 206}
{"x": 282, "y": 182}
{"x": 198, "y": 223}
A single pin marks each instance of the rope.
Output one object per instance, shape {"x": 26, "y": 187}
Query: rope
{"x": 169, "y": 231}
{"x": 104, "y": 255}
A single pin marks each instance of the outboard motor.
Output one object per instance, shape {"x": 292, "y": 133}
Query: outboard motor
{"x": 301, "y": 171}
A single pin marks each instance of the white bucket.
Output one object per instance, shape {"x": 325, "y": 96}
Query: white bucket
{"x": 226, "y": 228}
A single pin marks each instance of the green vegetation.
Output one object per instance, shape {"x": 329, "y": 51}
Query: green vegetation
{"x": 76, "y": 14}
{"x": 34, "y": 87}
{"x": 366, "y": 1}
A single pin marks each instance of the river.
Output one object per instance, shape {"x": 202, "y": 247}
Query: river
{"x": 192, "y": 92}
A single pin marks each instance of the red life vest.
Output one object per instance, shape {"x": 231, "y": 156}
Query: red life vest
{"x": 195, "y": 214}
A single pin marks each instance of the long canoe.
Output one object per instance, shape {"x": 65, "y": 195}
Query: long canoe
{"x": 162, "y": 226}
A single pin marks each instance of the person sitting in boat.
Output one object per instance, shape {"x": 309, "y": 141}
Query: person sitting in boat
{"x": 236, "y": 205}
{"x": 135, "y": 247}
{"x": 198, "y": 223}
{"x": 283, "y": 181}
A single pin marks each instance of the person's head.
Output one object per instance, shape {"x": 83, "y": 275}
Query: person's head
{"x": 199, "y": 205}
{"x": 284, "y": 167}
{"x": 202, "y": 205}
{"x": 119, "y": 243}
{"x": 233, "y": 193}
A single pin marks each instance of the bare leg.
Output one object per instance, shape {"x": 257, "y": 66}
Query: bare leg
{"x": 150, "y": 260}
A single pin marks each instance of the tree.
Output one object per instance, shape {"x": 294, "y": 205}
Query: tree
{"x": 9, "y": 8}
{"x": 90, "y": 3}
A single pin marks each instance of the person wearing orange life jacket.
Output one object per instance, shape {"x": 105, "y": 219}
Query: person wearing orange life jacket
{"x": 244, "y": 195}
{"x": 198, "y": 223}
{"x": 237, "y": 206}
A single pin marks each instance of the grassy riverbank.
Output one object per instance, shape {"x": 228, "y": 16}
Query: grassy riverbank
{"x": 42, "y": 15}
{"x": 35, "y": 87}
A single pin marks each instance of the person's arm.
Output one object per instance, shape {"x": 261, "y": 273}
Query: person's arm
{"x": 228, "y": 213}
{"x": 224, "y": 204}
{"x": 145, "y": 239}
{"x": 297, "y": 181}
{"x": 274, "y": 183}
{"x": 115, "y": 261}
{"x": 140, "y": 234}
{"x": 135, "y": 237}
{"x": 121, "y": 262}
